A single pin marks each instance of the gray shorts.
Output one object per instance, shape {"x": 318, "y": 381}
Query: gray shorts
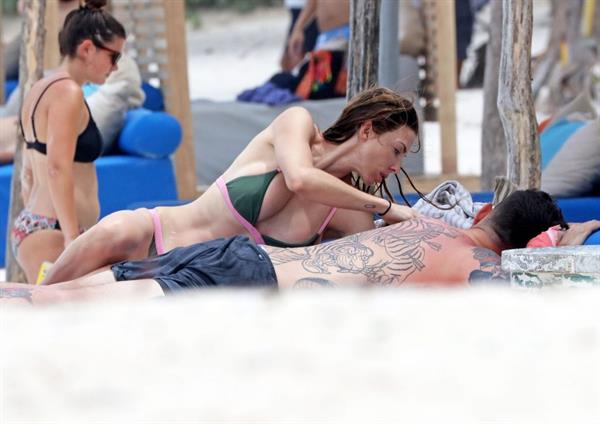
{"x": 231, "y": 262}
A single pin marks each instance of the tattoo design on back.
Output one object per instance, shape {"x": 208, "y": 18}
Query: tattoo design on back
{"x": 404, "y": 248}
{"x": 489, "y": 267}
{"x": 313, "y": 282}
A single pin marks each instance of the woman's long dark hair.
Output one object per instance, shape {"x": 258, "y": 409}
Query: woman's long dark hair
{"x": 387, "y": 111}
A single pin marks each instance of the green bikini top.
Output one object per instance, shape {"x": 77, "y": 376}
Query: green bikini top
{"x": 246, "y": 195}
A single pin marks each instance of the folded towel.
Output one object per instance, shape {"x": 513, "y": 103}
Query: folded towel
{"x": 459, "y": 208}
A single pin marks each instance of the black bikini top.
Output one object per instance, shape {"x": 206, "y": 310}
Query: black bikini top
{"x": 89, "y": 142}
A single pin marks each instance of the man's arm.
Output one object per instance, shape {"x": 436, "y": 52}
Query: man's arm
{"x": 578, "y": 232}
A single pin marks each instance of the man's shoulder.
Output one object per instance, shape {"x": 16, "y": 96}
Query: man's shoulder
{"x": 425, "y": 224}
{"x": 487, "y": 266}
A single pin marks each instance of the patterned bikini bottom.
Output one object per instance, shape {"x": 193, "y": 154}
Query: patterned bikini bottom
{"x": 27, "y": 223}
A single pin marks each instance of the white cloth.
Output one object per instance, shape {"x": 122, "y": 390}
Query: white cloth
{"x": 121, "y": 91}
{"x": 294, "y": 4}
{"x": 450, "y": 193}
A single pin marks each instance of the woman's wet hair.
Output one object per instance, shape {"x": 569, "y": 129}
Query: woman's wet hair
{"x": 89, "y": 21}
{"x": 387, "y": 111}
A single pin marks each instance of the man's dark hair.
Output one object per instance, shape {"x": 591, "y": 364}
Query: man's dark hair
{"x": 523, "y": 215}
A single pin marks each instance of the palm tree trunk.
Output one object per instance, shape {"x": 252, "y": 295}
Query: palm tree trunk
{"x": 363, "y": 51}
{"x": 30, "y": 70}
{"x": 493, "y": 144}
{"x": 515, "y": 100}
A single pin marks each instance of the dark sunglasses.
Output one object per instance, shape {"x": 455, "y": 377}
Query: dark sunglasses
{"x": 114, "y": 55}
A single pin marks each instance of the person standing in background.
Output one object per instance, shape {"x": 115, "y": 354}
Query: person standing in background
{"x": 310, "y": 33}
{"x": 59, "y": 185}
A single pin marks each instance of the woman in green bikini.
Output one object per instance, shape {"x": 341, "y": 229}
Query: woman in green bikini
{"x": 287, "y": 186}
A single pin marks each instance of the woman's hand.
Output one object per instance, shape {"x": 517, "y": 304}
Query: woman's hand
{"x": 399, "y": 213}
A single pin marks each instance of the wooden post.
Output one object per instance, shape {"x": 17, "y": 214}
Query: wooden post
{"x": 177, "y": 96}
{"x": 388, "y": 44}
{"x": 51, "y": 49}
{"x": 493, "y": 145}
{"x": 596, "y": 23}
{"x": 30, "y": 70}
{"x": 2, "y": 76}
{"x": 515, "y": 101}
{"x": 446, "y": 82}
{"x": 557, "y": 36}
{"x": 363, "y": 50}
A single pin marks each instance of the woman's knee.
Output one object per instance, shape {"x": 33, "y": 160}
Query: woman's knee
{"x": 120, "y": 232}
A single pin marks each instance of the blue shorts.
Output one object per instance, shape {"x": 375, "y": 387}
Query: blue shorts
{"x": 231, "y": 262}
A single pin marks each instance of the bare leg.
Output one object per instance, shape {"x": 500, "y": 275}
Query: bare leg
{"x": 123, "y": 235}
{"x": 16, "y": 294}
{"x": 101, "y": 286}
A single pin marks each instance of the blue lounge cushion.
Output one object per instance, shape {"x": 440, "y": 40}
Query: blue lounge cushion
{"x": 9, "y": 86}
{"x": 154, "y": 99}
{"x": 128, "y": 179}
{"x": 554, "y": 137}
{"x": 593, "y": 239}
{"x": 150, "y": 134}
{"x": 574, "y": 165}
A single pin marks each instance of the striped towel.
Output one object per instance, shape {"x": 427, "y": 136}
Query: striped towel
{"x": 450, "y": 193}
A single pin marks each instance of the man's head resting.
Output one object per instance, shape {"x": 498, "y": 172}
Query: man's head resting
{"x": 523, "y": 215}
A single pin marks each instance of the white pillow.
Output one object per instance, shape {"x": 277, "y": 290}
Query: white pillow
{"x": 109, "y": 103}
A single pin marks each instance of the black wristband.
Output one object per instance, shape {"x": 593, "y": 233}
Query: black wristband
{"x": 388, "y": 208}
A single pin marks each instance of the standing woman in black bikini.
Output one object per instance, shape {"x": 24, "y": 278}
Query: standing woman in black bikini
{"x": 59, "y": 184}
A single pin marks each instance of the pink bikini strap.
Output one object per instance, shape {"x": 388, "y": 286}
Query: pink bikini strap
{"x": 327, "y": 220}
{"x": 258, "y": 239}
{"x": 158, "y": 239}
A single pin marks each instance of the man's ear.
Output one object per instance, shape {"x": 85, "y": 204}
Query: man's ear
{"x": 365, "y": 130}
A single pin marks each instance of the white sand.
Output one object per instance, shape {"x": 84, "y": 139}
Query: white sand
{"x": 317, "y": 356}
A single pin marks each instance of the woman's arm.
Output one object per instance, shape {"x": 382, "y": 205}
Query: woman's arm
{"x": 292, "y": 132}
{"x": 26, "y": 178}
{"x": 64, "y": 116}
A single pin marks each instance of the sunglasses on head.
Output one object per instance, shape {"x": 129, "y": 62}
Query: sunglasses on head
{"x": 114, "y": 55}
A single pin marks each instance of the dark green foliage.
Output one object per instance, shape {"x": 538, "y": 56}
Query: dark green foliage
{"x": 9, "y": 6}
